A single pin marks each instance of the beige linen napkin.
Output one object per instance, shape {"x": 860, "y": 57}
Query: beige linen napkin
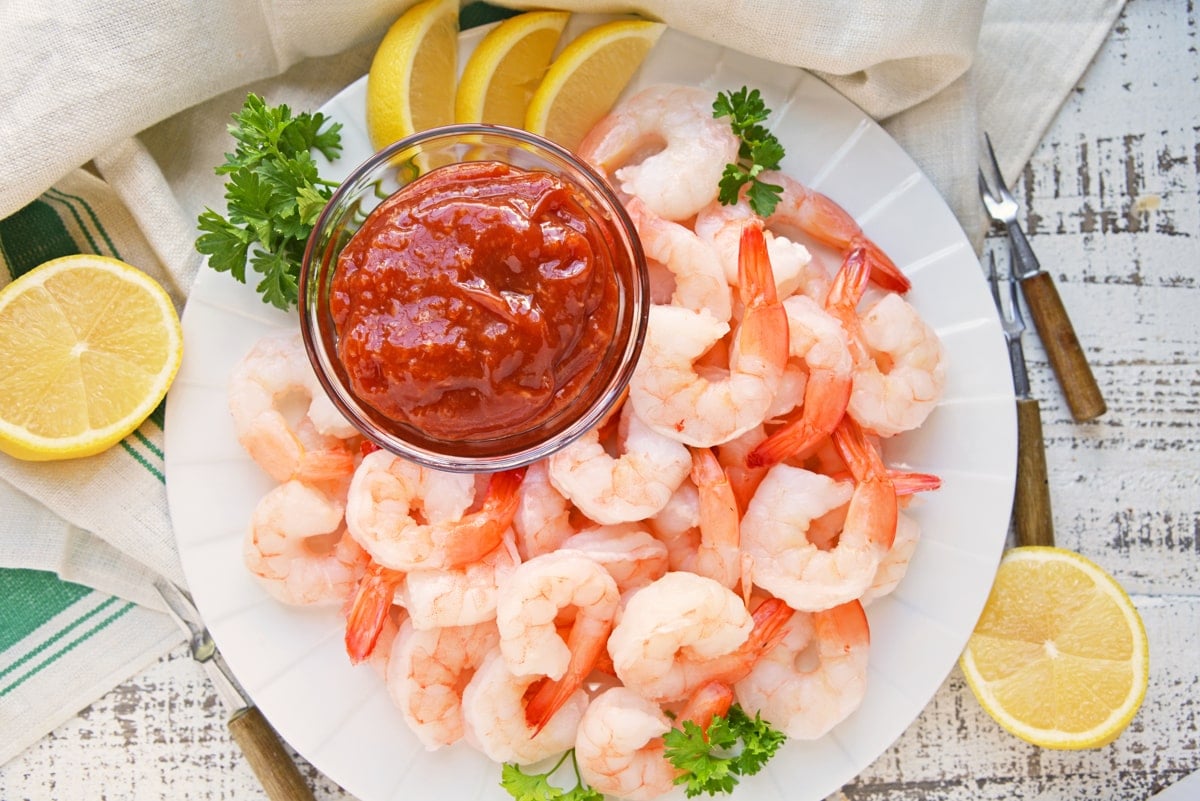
{"x": 143, "y": 89}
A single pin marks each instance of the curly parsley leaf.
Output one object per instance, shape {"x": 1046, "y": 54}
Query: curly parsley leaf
{"x": 537, "y": 787}
{"x": 759, "y": 150}
{"x": 273, "y": 196}
{"x": 734, "y": 745}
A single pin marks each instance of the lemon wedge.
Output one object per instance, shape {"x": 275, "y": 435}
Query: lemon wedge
{"x": 411, "y": 83}
{"x": 502, "y": 73}
{"x": 1059, "y": 657}
{"x": 585, "y": 80}
{"x": 90, "y": 346}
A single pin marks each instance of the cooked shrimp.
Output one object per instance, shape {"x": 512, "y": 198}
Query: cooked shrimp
{"x": 819, "y": 341}
{"x": 537, "y": 594}
{"x": 271, "y": 391}
{"x": 825, "y": 221}
{"x": 630, "y": 554}
{"x": 427, "y": 673}
{"x": 672, "y": 398}
{"x": 807, "y": 703}
{"x": 369, "y": 610}
{"x": 494, "y": 718}
{"x": 460, "y": 596}
{"x": 894, "y": 563}
{"x": 901, "y": 382}
{"x": 742, "y": 478}
{"x": 619, "y": 747}
{"x": 677, "y": 526}
{"x": 543, "y": 517}
{"x": 690, "y": 149}
{"x": 629, "y": 487}
{"x": 700, "y": 283}
{"x": 685, "y": 630}
{"x": 387, "y": 491}
{"x": 787, "y": 561}
{"x": 794, "y": 268}
{"x": 298, "y": 548}
{"x": 719, "y": 553}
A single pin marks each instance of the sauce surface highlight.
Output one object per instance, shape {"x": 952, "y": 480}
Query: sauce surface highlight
{"x": 475, "y": 302}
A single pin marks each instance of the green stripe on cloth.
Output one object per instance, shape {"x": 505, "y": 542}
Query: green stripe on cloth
{"x": 28, "y": 598}
{"x": 122, "y": 608}
{"x": 33, "y": 235}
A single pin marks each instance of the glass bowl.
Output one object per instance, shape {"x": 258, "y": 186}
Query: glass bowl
{"x": 418, "y": 397}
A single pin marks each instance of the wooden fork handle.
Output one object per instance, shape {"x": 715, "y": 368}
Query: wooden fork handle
{"x": 272, "y": 764}
{"x": 1031, "y": 504}
{"x": 1062, "y": 347}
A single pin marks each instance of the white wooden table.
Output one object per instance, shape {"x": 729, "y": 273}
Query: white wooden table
{"x": 1112, "y": 203}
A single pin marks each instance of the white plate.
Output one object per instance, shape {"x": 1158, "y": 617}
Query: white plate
{"x": 339, "y": 718}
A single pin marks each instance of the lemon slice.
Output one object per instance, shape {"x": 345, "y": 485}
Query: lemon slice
{"x": 410, "y": 86}
{"x": 1059, "y": 657}
{"x": 502, "y": 73}
{"x": 90, "y": 346}
{"x": 585, "y": 80}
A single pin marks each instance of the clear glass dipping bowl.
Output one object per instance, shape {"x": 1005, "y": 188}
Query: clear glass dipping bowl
{"x": 395, "y": 167}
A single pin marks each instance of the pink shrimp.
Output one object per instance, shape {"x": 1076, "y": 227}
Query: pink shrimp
{"x": 806, "y": 704}
{"x": 816, "y": 339}
{"x": 670, "y": 395}
{"x": 825, "y": 221}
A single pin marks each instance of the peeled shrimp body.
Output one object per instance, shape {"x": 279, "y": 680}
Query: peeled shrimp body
{"x": 894, "y": 563}
{"x": 900, "y": 379}
{"x": 786, "y": 562}
{"x": 684, "y": 631}
{"x": 700, "y": 282}
{"x": 459, "y": 596}
{"x": 298, "y": 548}
{"x": 427, "y": 672}
{"x": 543, "y": 517}
{"x": 619, "y": 746}
{"x": 387, "y": 492}
{"x": 689, "y": 149}
{"x": 673, "y": 398}
{"x": 793, "y": 266}
{"x": 631, "y": 555}
{"x": 632, "y": 486}
{"x": 271, "y": 393}
{"x": 494, "y": 719}
{"x": 807, "y": 703}
{"x": 537, "y": 594}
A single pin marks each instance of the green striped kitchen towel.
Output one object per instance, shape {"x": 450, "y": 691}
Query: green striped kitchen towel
{"x": 80, "y": 539}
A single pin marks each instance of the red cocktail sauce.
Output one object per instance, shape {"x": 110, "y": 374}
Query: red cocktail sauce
{"x": 475, "y": 302}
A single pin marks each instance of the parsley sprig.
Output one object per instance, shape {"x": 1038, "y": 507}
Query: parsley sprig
{"x": 537, "y": 787}
{"x": 735, "y": 745}
{"x": 759, "y": 150}
{"x": 273, "y": 196}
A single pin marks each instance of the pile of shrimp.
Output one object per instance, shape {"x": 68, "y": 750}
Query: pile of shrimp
{"x": 715, "y": 540}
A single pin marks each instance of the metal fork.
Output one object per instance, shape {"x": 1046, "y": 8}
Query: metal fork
{"x": 1032, "y": 516}
{"x": 1045, "y": 306}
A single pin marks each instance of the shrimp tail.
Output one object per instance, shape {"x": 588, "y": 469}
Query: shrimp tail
{"x": 770, "y": 626}
{"x": 369, "y": 609}
{"x": 825, "y": 402}
{"x": 911, "y": 483}
{"x": 850, "y": 282}
{"x": 873, "y": 505}
{"x": 711, "y": 701}
{"x": 475, "y": 539}
{"x": 756, "y": 283}
{"x": 586, "y": 643}
{"x": 845, "y": 623}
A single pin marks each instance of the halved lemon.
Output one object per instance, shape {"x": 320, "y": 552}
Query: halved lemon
{"x": 90, "y": 346}
{"x": 502, "y": 73}
{"x": 585, "y": 80}
{"x": 1059, "y": 656}
{"x": 411, "y": 83}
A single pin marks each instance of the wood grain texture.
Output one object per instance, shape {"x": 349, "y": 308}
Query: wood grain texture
{"x": 1112, "y": 206}
{"x": 1032, "y": 512}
